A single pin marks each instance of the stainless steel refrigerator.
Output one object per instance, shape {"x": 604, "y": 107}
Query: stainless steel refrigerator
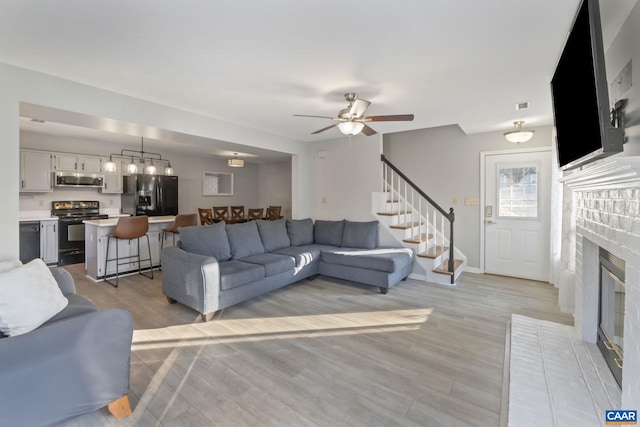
{"x": 152, "y": 195}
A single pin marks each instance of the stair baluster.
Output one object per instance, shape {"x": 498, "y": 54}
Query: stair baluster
{"x": 428, "y": 224}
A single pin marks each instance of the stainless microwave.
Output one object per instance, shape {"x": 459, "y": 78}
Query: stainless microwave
{"x": 75, "y": 179}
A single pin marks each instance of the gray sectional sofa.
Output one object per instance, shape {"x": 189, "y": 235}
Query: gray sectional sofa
{"x": 219, "y": 265}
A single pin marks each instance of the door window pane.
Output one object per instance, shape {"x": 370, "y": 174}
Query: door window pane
{"x": 518, "y": 192}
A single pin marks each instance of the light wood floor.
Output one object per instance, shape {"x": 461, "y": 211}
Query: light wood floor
{"x": 323, "y": 353}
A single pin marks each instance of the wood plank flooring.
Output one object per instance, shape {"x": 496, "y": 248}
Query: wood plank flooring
{"x": 323, "y": 353}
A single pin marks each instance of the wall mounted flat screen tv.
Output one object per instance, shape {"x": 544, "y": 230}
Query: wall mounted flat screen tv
{"x": 580, "y": 94}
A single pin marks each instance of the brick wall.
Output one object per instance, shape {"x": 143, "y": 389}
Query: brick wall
{"x": 609, "y": 217}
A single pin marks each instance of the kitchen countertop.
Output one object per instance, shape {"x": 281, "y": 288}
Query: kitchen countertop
{"x": 112, "y": 221}
{"x": 41, "y": 217}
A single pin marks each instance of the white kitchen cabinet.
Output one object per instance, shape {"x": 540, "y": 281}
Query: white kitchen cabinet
{"x": 113, "y": 180}
{"x": 77, "y": 163}
{"x": 49, "y": 241}
{"x": 35, "y": 171}
{"x": 96, "y": 232}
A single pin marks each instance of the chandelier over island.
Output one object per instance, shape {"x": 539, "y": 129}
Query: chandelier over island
{"x": 142, "y": 156}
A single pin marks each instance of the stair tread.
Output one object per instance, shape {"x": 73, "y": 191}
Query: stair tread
{"x": 443, "y": 267}
{"x": 405, "y": 225}
{"x": 393, "y": 213}
{"x": 433, "y": 252}
{"x": 419, "y": 239}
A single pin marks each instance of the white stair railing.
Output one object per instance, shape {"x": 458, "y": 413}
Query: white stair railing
{"x": 414, "y": 206}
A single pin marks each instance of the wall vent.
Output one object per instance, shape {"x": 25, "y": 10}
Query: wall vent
{"x": 522, "y": 105}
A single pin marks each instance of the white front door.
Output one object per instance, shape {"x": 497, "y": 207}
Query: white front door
{"x": 516, "y": 213}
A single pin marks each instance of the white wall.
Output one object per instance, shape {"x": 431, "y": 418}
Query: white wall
{"x": 275, "y": 186}
{"x": 20, "y": 85}
{"x": 346, "y": 176}
{"x": 445, "y": 163}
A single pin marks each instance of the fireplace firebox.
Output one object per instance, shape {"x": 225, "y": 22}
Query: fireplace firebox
{"x": 611, "y": 311}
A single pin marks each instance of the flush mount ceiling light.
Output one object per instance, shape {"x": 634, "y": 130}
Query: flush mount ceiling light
{"x": 518, "y": 135}
{"x": 235, "y": 162}
{"x": 142, "y": 157}
{"x": 350, "y": 128}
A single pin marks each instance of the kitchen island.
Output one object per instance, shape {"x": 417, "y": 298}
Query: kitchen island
{"x": 96, "y": 232}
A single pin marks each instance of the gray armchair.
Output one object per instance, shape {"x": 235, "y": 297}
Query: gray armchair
{"x": 74, "y": 364}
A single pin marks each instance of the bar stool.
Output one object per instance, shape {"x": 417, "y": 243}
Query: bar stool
{"x": 181, "y": 220}
{"x": 128, "y": 228}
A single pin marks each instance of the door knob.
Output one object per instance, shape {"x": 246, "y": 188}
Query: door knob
{"x": 490, "y": 222}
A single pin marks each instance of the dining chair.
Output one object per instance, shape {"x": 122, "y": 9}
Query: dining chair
{"x": 255, "y": 213}
{"x": 206, "y": 217}
{"x": 273, "y": 212}
{"x": 128, "y": 228}
{"x": 220, "y": 213}
{"x": 237, "y": 214}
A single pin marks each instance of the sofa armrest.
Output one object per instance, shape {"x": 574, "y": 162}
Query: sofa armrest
{"x": 66, "y": 369}
{"x": 191, "y": 279}
{"x": 64, "y": 279}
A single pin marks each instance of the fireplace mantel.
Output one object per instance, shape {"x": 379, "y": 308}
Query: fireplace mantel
{"x": 621, "y": 172}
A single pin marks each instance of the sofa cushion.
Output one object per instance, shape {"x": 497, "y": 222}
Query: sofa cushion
{"x": 328, "y": 232}
{"x": 208, "y": 240}
{"x": 304, "y": 255}
{"x": 381, "y": 259}
{"x": 273, "y": 234}
{"x": 360, "y": 234}
{"x": 300, "y": 231}
{"x": 238, "y": 273}
{"x": 244, "y": 239}
{"x": 272, "y": 263}
{"x": 29, "y": 296}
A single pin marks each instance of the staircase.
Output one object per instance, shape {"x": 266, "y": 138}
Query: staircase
{"x": 414, "y": 220}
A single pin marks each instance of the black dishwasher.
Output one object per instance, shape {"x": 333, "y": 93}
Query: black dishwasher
{"x": 29, "y": 241}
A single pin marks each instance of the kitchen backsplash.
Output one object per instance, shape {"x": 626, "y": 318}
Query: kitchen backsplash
{"x": 109, "y": 203}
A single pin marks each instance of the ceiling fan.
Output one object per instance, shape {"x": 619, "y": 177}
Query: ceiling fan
{"x": 352, "y": 121}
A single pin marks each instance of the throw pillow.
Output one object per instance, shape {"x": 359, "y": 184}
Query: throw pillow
{"x": 244, "y": 239}
{"x": 362, "y": 235}
{"x": 328, "y": 232}
{"x": 9, "y": 265}
{"x": 300, "y": 231}
{"x": 273, "y": 234}
{"x": 29, "y": 296}
{"x": 208, "y": 240}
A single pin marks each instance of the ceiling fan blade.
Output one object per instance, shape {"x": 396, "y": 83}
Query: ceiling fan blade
{"x": 323, "y": 129}
{"x": 358, "y": 108}
{"x": 368, "y": 131}
{"x": 390, "y": 118}
{"x": 317, "y": 117}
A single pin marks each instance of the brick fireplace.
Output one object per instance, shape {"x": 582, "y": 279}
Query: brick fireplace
{"x": 606, "y": 208}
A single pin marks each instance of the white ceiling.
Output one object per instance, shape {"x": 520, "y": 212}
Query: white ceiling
{"x": 257, "y": 62}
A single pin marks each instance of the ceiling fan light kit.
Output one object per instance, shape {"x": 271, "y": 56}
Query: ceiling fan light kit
{"x": 518, "y": 134}
{"x": 350, "y": 128}
{"x": 352, "y": 121}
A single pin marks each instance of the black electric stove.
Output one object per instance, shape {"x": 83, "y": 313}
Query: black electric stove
{"x": 71, "y": 228}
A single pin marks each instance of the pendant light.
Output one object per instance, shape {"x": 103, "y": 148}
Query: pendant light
{"x": 235, "y": 162}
